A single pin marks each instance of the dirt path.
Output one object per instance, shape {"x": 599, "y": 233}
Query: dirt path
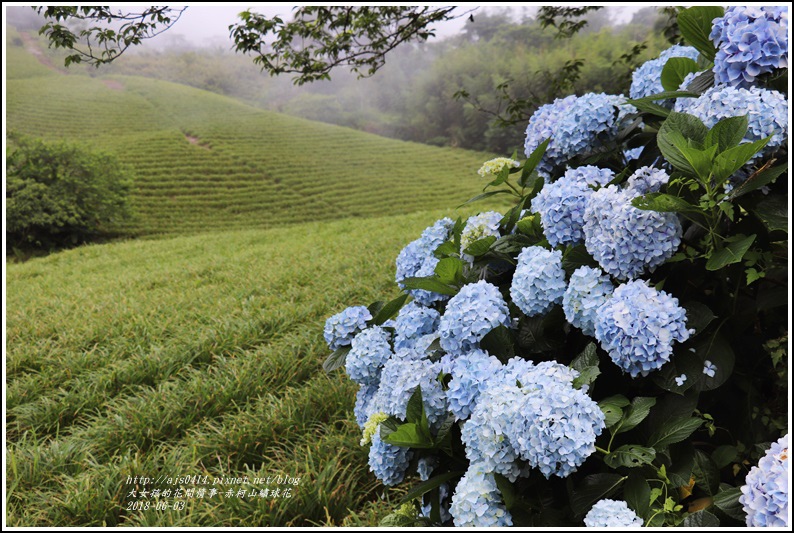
{"x": 32, "y": 47}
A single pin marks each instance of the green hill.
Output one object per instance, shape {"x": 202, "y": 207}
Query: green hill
{"x": 204, "y": 162}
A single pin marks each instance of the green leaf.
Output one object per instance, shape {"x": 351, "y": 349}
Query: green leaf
{"x": 429, "y": 284}
{"x": 634, "y": 414}
{"x": 588, "y": 358}
{"x": 586, "y": 377}
{"x": 593, "y": 488}
{"x": 530, "y": 226}
{"x": 663, "y": 96}
{"x": 480, "y": 247}
{"x": 732, "y": 159}
{"x": 414, "y": 409}
{"x": 630, "y": 456}
{"x": 674, "y": 431}
{"x": 637, "y": 494}
{"x": 446, "y": 249}
{"x": 500, "y": 343}
{"x": 485, "y": 195}
{"x": 507, "y": 490}
{"x": 389, "y": 310}
{"x": 444, "y": 437}
{"x": 732, "y": 253}
{"x": 701, "y": 519}
{"x": 724, "y": 455}
{"x": 727, "y": 501}
{"x": 665, "y": 203}
{"x": 759, "y": 179}
{"x": 717, "y": 350}
{"x": 727, "y": 133}
{"x": 772, "y": 211}
{"x": 678, "y": 128}
{"x": 706, "y": 474}
{"x": 576, "y": 256}
{"x": 532, "y": 162}
{"x": 612, "y": 408}
{"x": 675, "y": 70}
{"x": 408, "y": 435}
{"x": 336, "y": 359}
{"x": 651, "y": 108}
{"x": 449, "y": 270}
{"x": 375, "y": 307}
{"x": 430, "y": 484}
{"x": 702, "y": 82}
{"x": 698, "y": 316}
{"x": 695, "y": 24}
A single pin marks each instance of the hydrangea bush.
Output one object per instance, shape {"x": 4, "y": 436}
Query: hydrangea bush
{"x": 612, "y": 350}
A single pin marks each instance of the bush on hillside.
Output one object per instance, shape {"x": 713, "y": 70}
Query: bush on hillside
{"x": 59, "y": 195}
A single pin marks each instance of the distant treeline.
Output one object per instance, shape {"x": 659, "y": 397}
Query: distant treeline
{"x": 503, "y": 65}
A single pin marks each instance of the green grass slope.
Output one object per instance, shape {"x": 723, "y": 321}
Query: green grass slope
{"x": 204, "y": 162}
{"x": 195, "y": 355}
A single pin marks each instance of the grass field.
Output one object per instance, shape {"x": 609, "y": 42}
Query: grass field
{"x": 203, "y": 162}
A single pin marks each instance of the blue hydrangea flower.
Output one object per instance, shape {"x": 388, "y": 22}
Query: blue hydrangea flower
{"x": 425, "y": 466}
{"x": 587, "y": 290}
{"x": 369, "y": 352}
{"x": 417, "y": 259}
{"x": 555, "y": 426}
{"x": 478, "y": 227}
{"x": 470, "y": 315}
{"x": 388, "y": 462}
{"x": 766, "y": 110}
{"x": 536, "y": 376}
{"x": 342, "y": 327}
{"x": 709, "y": 368}
{"x": 612, "y": 513}
{"x": 539, "y": 280}
{"x": 485, "y": 433}
{"x": 364, "y": 404}
{"x": 443, "y": 493}
{"x": 470, "y": 374}
{"x": 413, "y": 322}
{"x": 646, "y": 80}
{"x": 647, "y": 180}
{"x": 627, "y": 241}
{"x": 561, "y": 204}
{"x": 633, "y": 153}
{"x": 477, "y": 501}
{"x": 576, "y": 125}
{"x": 750, "y": 41}
{"x": 680, "y": 380}
{"x": 765, "y": 493}
{"x": 638, "y": 327}
{"x": 398, "y": 382}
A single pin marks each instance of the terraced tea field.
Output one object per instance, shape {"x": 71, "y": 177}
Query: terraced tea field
{"x": 204, "y": 162}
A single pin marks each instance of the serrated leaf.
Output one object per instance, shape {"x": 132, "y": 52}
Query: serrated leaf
{"x": 772, "y": 211}
{"x": 732, "y": 159}
{"x": 612, "y": 408}
{"x": 665, "y": 203}
{"x": 414, "y": 409}
{"x": 588, "y": 358}
{"x": 446, "y": 249}
{"x": 507, "y": 490}
{"x": 630, "y": 456}
{"x": 700, "y": 519}
{"x": 389, "y": 310}
{"x": 336, "y": 359}
{"x": 532, "y": 162}
{"x": 674, "y": 431}
{"x": 662, "y": 96}
{"x": 586, "y": 377}
{"x": 428, "y": 284}
{"x": 593, "y": 488}
{"x": 706, "y": 474}
{"x": 500, "y": 343}
{"x": 727, "y": 133}
{"x": 724, "y": 455}
{"x": 727, "y": 501}
{"x": 449, "y": 270}
{"x": 430, "y": 484}
{"x": 408, "y": 435}
{"x": 634, "y": 414}
{"x": 678, "y": 127}
{"x": 733, "y": 253}
{"x": 575, "y": 257}
{"x": 637, "y": 494}
{"x": 480, "y": 247}
{"x": 675, "y": 70}
{"x": 485, "y": 195}
{"x": 698, "y": 316}
{"x": 759, "y": 179}
{"x": 695, "y": 24}
{"x": 375, "y": 307}
{"x": 702, "y": 82}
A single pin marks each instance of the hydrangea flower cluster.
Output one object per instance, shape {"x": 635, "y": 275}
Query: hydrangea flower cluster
{"x": 638, "y": 327}
{"x": 556, "y": 427}
{"x": 766, "y": 110}
{"x": 576, "y": 125}
{"x": 627, "y": 241}
{"x": 495, "y": 166}
{"x": 750, "y": 41}
{"x": 561, "y": 204}
{"x": 765, "y": 493}
{"x": 478, "y": 227}
{"x": 342, "y": 327}
{"x": 646, "y": 80}
{"x": 364, "y": 405}
{"x": 417, "y": 259}
{"x": 647, "y": 180}
{"x": 588, "y": 289}
{"x": 539, "y": 280}
{"x": 413, "y": 322}
{"x": 471, "y": 314}
{"x": 612, "y": 513}
{"x": 369, "y": 352}
{"x": 399, "y": 380}
{"x": 470, "y": 374}
{"x": 443, "y": 497}
{"x": 477, "y": 501}
{"x": 388, "y": 462}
